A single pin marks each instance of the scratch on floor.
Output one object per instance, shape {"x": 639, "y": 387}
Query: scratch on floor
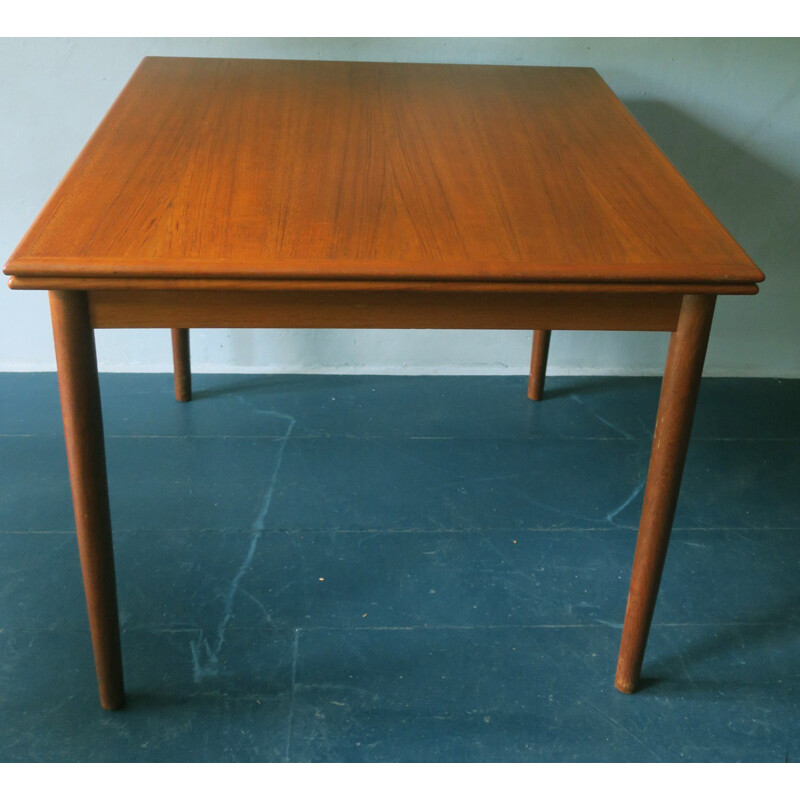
{"x": 623, "y": 728}
{"x": 482, "y": 479}
{"x": 295, "y": 643}
{"x": 260, "y": 605}
{"x": 608, "y": 623}
{"x": 625, "y": 503}
{"x": 205, "y": 655}
{"x": 616, "y": 428}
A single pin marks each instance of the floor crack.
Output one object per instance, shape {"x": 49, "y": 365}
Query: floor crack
{"x": 295, "y": 643}
{"x": 205, "y": 655}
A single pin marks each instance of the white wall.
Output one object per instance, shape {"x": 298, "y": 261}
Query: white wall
{"x": 726, "y": 111}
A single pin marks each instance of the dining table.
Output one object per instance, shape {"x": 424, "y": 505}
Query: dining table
{"x": 250, "y": 193}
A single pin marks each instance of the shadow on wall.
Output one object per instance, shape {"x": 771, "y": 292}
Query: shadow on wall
{"x": 757, "y": 203}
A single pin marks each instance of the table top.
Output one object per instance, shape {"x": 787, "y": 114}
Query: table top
{"x": 299, "y": 170}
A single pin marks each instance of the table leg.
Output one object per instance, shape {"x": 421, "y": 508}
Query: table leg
{"x": 541, "y": 346}
{"x": 182, "y": 364}
{"x": 687, "y": 349}
{"x": 83, "y": 431}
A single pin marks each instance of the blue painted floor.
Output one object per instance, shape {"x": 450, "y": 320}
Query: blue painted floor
{"x": 316, "y": 568}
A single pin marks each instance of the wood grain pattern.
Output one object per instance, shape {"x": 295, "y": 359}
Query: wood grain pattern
{"x": 83, "y": 431}
{"x": 679, "y": 388}
{"x": 383, "y": 309}
{"x": 219, "y": 168}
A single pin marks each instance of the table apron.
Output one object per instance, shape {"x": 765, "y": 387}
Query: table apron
{"x": 644, "y": 311}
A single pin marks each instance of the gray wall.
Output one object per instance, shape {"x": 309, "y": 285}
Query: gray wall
{"x": 726, "y": 111}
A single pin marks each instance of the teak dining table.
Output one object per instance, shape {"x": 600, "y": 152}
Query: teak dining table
{"x": 223, "y": 193}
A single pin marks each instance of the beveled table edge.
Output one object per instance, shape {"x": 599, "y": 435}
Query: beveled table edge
{"x": 345, "y": 270}
{"x": 82, "y": 283}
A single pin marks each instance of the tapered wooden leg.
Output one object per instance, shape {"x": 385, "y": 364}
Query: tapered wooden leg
{"x": 541, "y": 345}
{"x": 83, "y": 431}
{"x": 182, "y": 364}
{"x": 687, "y": 349}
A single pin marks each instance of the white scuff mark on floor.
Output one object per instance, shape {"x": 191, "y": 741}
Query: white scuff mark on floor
{"x": 295, "y": 642}
{"x": 580, "y": 401}
{"x": 625, "y": 503}
{"x": 205, "y": 655}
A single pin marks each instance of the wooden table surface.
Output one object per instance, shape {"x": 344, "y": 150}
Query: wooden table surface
{"x": 226, "y": 169}
{"x": 237, "y": 193}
